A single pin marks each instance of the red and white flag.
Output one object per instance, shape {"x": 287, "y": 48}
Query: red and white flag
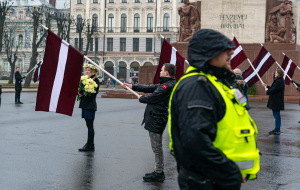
{"x": 60, "y": 77}
{"x": 238, "y": 55}
{"x": 170, "y": 55}
{"x": 289, "y": 67}
{"x": 37, "y": 72}
{"x": 262, "y": 63}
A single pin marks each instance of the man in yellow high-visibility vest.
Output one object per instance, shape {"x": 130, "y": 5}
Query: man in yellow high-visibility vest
{"x": 214, "y": 138}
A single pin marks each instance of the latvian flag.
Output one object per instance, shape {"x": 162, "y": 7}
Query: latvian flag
{"x": 170, "y": 55}
{"x": 262, "y": 63}
{"x": 37, "y": 71}
{"x": 60, "y": 76}
{"x": 289, "y": 67}
{"x": 238, "y": 55}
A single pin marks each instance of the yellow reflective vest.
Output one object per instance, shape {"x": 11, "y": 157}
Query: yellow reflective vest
{"x": 236, "y": 131}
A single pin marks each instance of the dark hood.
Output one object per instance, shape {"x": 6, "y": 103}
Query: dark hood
{"x": 205, "y": 45}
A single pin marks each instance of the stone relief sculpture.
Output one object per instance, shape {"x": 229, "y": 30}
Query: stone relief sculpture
{"x": 189, "y": 21}
{"x": 286, "y": 30}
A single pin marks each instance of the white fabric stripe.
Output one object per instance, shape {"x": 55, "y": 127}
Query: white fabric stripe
{"x": 266, "y": 57}
{"x": 287, "y": 68}
{"x": 236, "y": 51}
{"x": 62, "y": 60}
{"x": 173, "y": 57}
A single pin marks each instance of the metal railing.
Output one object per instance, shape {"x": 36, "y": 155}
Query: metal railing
{"x": 136, "y": 29}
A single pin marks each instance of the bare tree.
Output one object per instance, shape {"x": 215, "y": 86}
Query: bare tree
{"x": 4, "y": 7}
{"x": 11, "y": 49}
{"x": 38, "y": 16}
{"x": 89, "y": 33}
{"x": 64, "y": 22}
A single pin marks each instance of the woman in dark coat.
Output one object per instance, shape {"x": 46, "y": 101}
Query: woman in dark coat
{"x": 276, "y": 99}
{"x": 89, "y": 107}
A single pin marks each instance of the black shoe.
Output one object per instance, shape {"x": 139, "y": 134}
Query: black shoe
{"x": 147, "y": 174}
{"x": 20, "y": 102}
{"x": 271, "y": 132}
{"x": 87, "y": 148}
{"x": 155, "y": 177}
{"x": 16, "y": 102}
{"x": 298, "y": 121}
{"x": 274, "y": 132}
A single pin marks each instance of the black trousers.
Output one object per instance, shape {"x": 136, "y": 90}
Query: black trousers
{"x": 17, "y": 95}
{"x": 91, "y": 131}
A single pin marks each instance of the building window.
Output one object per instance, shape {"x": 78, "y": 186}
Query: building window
{"x": 123, "y": 22}
{"x": 181, "y": 1}
{"x": 124, "y": 1}
{"x": 91, "y": 44}
{"x": 96, "y": 44}
{"x": 76, "y": 43}
{"x": 166, "y": 23}
{"x": 95, "y": 1}
{"x": 79, "y": 23}
{"x": 136, "y": 23}
{"x": 137, "y": 1}
{"x": 111, "y": 1}
{"x": 150, "y": 1}
{"x": 122, "y": 44}
{"x": 149, "y": 22}
{"x": 110, "y": 42}
{"x": 169, "y": 40}
{"x": 136, "y": 44}
{"x": 167, "y": 0}
{"x": 110, "y": 23}
{"x": 20, "y": 41}
{"x": 5, "y": 65}
{"x": 80, "y": 44}
{"x": 79, "y": 1}
{"x": 95, "y": 22}
{"x": 20, "y": 64}
{"x": 148, "y": 44}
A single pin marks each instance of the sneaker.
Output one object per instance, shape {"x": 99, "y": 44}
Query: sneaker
{"x": 274, "y": 132}
{"x": 155, "y": 177}
{"x": 87, "y": 148}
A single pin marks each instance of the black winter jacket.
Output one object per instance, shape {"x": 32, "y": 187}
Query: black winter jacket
{"x": 19, "y": 79}
{"x": 156, "y": 112}
{"x": 276, "y": 92}
{"x": 196, "y": 108}
{"x": 89, "y": 102}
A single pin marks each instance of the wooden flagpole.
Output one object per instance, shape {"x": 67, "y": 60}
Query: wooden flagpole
{"x": 96, "y": 65}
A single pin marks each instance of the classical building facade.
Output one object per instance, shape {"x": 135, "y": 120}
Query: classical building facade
{"x": 19, "y": 23}
{"x": 128, "y": 32}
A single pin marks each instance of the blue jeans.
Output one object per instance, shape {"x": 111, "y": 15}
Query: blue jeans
{"x": 277, "y": 117}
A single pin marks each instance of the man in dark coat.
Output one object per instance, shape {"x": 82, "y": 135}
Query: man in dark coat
{"x": 156, "y": 115}
{"x": 196, "y": 109}
{"x": 18, "y": 86}
{"x": 0, "y": 93}
{"x": 276, "y": 99}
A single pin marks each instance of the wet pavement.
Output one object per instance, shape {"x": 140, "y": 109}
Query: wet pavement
{"x": 39, "y": 150}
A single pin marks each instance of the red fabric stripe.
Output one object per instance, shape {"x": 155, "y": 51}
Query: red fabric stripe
{"x": 49, "y": 71}
{"x": 239, "y": 58}
{"x": 70, "y": 84}
{"x": 179, "y": 66}
{"x": 165, "y": 57}
{"x": 266, "y": 65}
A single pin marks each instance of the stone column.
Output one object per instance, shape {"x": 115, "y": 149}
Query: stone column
{"x": 115, "y": 71}
{"x": 127, "y": 73}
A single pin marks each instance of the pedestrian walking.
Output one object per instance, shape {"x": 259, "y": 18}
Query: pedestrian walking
{"x": 18, "y": 86}
{"x": 156, "y": 115}
{"x": 113, "y": 83}
{"x": 0, "y": 93}
{"x": 108, "y": 83}
{"x": 213, "y": 136}
{"x": 88, "y": 103}
{"x": 276, "y": 99}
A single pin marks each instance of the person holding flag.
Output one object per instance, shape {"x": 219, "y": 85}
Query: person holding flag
{"x": 214, "y": 138}
{"x": 276, "y": 99}
{"x": 156, "y": 115}
{"x": 87, "y": 93}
